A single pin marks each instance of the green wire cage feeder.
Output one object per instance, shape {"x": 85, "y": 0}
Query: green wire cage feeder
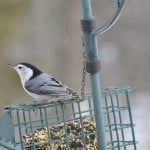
{"x": 73, "y": 129}
{"x": 101, "y": 121}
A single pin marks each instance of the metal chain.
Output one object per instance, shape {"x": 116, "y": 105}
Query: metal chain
{"x": 83, "y": 81}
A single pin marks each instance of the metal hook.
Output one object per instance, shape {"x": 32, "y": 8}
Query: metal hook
{"x": 108, "y": 25}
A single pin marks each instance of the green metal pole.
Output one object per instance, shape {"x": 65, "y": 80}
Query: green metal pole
{"x": 92, "y": 65}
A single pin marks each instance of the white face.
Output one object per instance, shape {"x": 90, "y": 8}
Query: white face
{"x": 24, "y": 72}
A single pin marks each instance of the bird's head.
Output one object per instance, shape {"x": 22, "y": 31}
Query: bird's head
{"x": 25, "y": 71}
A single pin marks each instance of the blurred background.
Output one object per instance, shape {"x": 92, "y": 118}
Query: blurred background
{"x": 47, "y": 33}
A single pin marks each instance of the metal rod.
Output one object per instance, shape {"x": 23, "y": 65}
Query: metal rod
{"x": 95, "y": 78}
{"x": 6, "y": 145}
{"x": 120, "y": 119}
{"x": 82, "y": 128}
{"x": 19, "y": 127}
{"x": 131, "y": 121}
{"x": 109, "y": 120}
{"x": 47, "y": 126}
{"x": 115, "y": 121}
{"x": 31, "y": 128}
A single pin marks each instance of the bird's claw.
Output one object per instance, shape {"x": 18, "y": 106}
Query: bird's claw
{"x": 62, "y": 104}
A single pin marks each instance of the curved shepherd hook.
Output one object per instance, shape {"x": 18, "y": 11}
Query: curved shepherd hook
{"x": 120, "y": 5}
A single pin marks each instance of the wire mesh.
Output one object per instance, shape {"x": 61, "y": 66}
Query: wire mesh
{"x": 70, "y": 125}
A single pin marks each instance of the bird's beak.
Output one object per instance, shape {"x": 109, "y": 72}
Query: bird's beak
{"x": 12, "y": 65}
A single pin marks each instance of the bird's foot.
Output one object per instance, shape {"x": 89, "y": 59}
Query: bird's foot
{"x": 36, "y": 104}
{"x": 78, "y": 98}
{"x": 62, "y": 104}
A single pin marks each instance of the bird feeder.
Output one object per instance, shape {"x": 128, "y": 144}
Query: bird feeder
{"x": 95, "y": 123}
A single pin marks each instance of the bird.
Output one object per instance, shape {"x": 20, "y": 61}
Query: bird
{"x": 41, "y": 85}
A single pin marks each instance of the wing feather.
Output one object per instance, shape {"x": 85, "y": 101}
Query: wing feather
{"x": 45, "y": 84}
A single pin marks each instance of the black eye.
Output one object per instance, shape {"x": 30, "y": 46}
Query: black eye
{"x": 20, "y": 67}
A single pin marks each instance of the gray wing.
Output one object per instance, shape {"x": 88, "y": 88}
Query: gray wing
{"x": 45, "y": 84}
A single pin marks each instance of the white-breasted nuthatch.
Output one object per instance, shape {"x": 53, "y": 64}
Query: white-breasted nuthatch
{"x": 41, "y": 85}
